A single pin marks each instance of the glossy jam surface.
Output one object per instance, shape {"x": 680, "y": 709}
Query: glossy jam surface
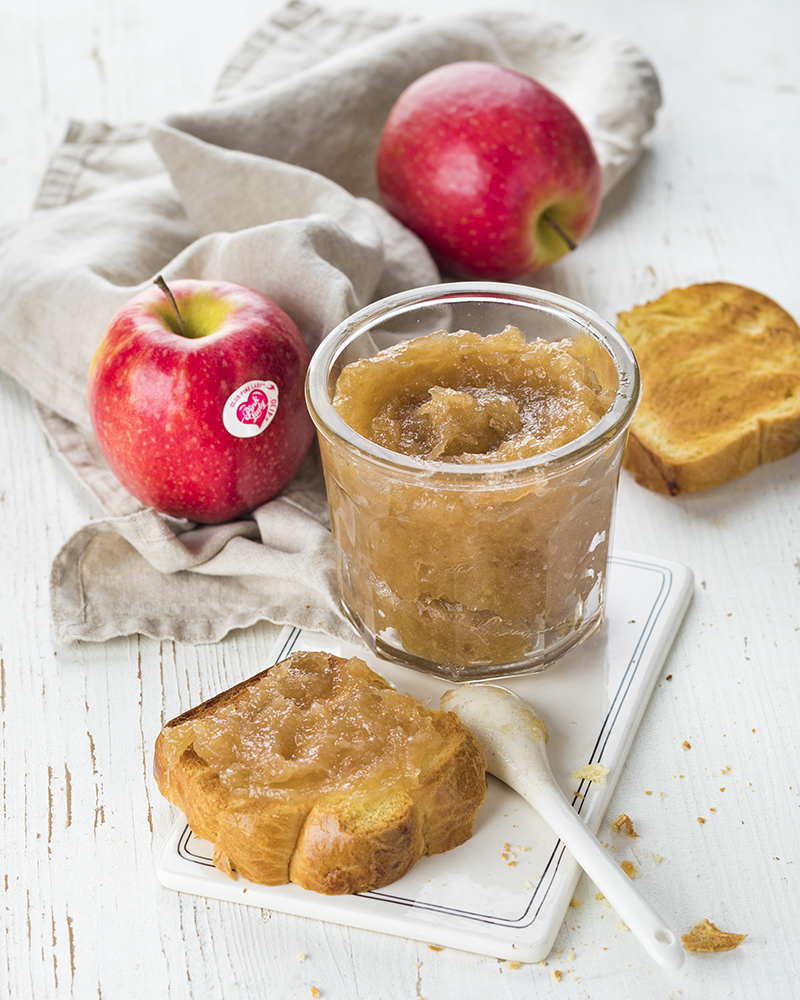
{"x": 313, "y": 726}
{"x": 468, "y": 399}
{"x": 496, "y": 572}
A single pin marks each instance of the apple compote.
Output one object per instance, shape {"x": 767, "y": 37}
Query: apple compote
{"x": 471, "y": 497}
{"x": 310, "y": 725}
{"x": 467, "y": 399}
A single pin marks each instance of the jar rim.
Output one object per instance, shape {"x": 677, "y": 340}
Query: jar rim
{"x": 613, "y": 422}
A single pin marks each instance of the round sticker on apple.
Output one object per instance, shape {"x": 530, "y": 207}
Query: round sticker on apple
{"x": 249, "y": 409}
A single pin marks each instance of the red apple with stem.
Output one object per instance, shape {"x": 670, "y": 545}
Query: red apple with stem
{"x": 196, "y": 397}
{"x": 492, "y": 170}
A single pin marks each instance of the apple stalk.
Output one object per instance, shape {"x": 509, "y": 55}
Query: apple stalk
{"x": 168, "y": 292}
{"x": 561, "y": 232}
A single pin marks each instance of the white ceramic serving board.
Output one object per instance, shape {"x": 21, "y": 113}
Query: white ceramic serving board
{"x": 506, "y": 891}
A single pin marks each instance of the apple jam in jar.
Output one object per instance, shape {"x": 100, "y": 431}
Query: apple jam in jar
{"x": 471, "y": 437}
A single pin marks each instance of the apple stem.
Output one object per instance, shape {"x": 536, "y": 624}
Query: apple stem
{"x": 168, "y": 292}
{"x": 564, "y": 235}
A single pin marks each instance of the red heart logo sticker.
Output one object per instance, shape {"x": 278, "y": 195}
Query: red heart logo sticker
{"x": 250, "y": 408}
{"x": 253, "y": 410}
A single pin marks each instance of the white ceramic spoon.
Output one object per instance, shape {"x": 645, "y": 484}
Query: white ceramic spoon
{"x": 513, "y": 739}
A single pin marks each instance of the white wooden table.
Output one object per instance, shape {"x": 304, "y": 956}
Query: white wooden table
{"x": 715, "y": 196}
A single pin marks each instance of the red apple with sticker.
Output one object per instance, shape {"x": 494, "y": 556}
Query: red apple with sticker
{"x": 196, "y": 397}
{"x": 492, "y": 170}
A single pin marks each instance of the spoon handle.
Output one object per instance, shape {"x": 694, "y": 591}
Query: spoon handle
{"x": 657, "y": 938}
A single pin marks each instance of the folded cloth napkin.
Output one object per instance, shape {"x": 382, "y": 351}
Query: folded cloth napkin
{"x": 271, "y": 185}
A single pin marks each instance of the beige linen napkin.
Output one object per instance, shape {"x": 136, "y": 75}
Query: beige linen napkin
{"x": 271, "y": 185}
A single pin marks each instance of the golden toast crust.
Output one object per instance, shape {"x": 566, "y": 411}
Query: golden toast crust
{"x": 720, "y": 370}
{"x": 341, "y": 841}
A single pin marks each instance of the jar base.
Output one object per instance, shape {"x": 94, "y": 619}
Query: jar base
{"x": 549, "y": 649}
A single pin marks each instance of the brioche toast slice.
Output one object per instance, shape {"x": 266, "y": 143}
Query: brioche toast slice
{"x": 720, "y": 368}
{"x": 317, "y": 771}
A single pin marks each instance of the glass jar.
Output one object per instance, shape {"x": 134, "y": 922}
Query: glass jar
{"x": 478, "y": 570}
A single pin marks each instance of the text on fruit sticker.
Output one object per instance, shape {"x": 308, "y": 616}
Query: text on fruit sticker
{"x": 249, "y": 409}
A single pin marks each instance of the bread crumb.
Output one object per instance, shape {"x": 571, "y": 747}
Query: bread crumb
{"x": 315, "y": 992}
{"x": 622, "y": 926}
{"x": 648, "y": 793}
{"x": 629, "y": 868}
{"x": 592, "y": 772}
{"x": 686, "y": 745}
{"x": 513, "y": 965}
{"x": 700, "y": 819}
{"x": 599, "y": 896}
{"x": 301, "y": 957}
{"x": 623, "y": 821}
{"x": 556, "y": 974}
{"x": 527, "y": 884}
{"x": 435, "y": 947}
{"x": 508, "y": 855}
{"x": 575, "y": 902}
{"x": 705, "y": 937}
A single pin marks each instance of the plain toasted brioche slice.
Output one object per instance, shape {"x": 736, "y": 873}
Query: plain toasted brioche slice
{"x": 720, "y": 386}
{"x": 317, "y": 771}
